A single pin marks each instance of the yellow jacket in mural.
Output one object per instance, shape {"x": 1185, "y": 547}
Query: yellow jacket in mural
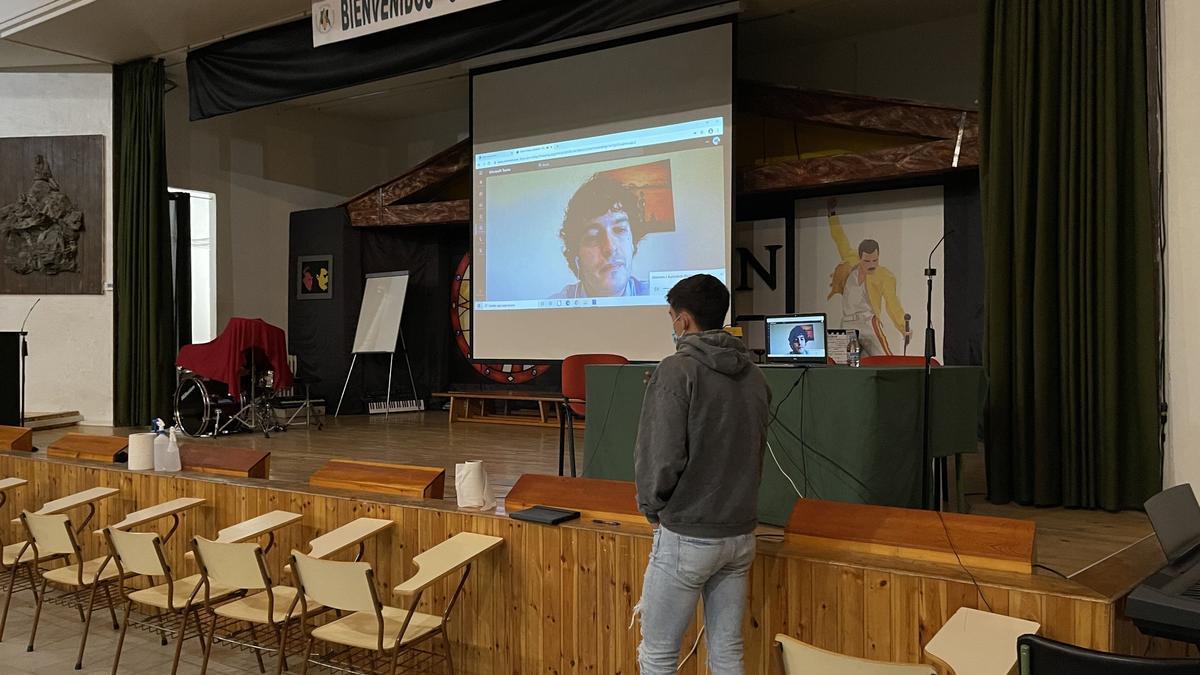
{"x": 881, "y": 286}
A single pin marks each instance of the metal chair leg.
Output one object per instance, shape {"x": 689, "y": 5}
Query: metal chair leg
{"x": 562, "y": 435}
{"x": 308, "y": 644}
{"x": 183, "y": 624}
{"x": 121, "y": 637}
{"x": 208, "y": 642}
{"x": 571, "y": 438}
{"x": 12, "y": 583}
{"x": 449, "y": 656}
{"x": 281, "y": 633}
{"x": 87, "y": 624}
{"x": 37, "y": 615}
{"x": 262, "y": 668}
{"x": 112, "y": 608}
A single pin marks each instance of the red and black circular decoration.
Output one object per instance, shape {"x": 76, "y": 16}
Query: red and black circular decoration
{"x": 460, "y": 322}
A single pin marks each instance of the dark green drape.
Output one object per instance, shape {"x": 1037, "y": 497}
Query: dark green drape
{"x": 1069, "y": 235}
{"x": 143, "y": 294}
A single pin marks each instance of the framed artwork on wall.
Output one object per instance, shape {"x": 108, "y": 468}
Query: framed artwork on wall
{"x": 314, "y": 277}
{"x": 52, "y": 215}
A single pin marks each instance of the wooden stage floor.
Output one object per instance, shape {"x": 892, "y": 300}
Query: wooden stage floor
{"x": 1068, "y": 540}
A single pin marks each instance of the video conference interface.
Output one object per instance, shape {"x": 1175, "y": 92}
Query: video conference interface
{"x": 796, "y": 337}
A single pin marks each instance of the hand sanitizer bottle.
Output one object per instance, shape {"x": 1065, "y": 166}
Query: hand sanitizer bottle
{"x": 171, "y": 460}
{"x": 160, "y": 450}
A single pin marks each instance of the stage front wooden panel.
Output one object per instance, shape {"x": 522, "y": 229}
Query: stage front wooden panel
{"x": 559, "y": 599}
{"x": 978, "y": 542}
{"x": 16, "y": 438}
{"x": 91, "y": 448}
{"x": 394, "y": 479}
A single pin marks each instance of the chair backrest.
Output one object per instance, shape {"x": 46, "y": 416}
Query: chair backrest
{"x": 50, "y": 534}
{"x": 237, "y": 565}
{"x": 1041, "y": 656}
{"x": 347, "y": 586}
{"x": 574, "y": 373}
{"x": 137, "y": 552}
{"x": 443, "y": 559}
{"x": 897, "y": 360}
{"x": 799, "y": 658}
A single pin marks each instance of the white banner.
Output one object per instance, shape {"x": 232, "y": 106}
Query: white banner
{"x": 337, "y": 20}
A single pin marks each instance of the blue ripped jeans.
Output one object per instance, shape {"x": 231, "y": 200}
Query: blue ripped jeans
{"x": 681, "y": 570}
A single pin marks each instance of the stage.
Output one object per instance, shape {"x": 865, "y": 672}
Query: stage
{"x": 560, "y": 598}
{"x": 1068, "y": 539}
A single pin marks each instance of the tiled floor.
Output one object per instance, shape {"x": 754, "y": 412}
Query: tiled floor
{"x": 58, "y": 642}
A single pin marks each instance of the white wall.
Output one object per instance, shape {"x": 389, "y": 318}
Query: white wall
{"x": 934, "y": 62}
{"x": 1181, "y": 145}
{"x": 264, "y": 164}
{"x": 70, "y": 336}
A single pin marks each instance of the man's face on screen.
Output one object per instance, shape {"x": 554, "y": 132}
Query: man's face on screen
{"x": 605, "y": 253}
{"x": 797, "y": 344}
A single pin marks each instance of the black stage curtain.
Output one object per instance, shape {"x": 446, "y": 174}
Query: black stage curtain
{"x": 143, "y": 294}
{"x": 321, "y": 332}
{"x": 963, "y": 341}
{"x": 181, "y": 234}
{"x": 429, "y": 254}
{"x": 1072, "y": 321}
{"x": 279, "y": 63}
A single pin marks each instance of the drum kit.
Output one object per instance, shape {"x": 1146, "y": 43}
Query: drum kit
{"x": 204, "y": 407}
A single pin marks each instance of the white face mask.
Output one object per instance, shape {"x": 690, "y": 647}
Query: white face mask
{"x": 675, "y": 336}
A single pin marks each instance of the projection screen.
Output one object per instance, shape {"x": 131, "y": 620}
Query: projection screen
{"x": 599, "y": 180}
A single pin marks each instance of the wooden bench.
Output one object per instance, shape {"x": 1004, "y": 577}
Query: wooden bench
{"x": 422, "y": 482}
{"x": 221, "y": 460}
{"x": 473, "y": 406}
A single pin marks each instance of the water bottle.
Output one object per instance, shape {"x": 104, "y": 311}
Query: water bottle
{"x": 160, "y": 450}
{"x": 171, "y": 461}
{"x": 853, "y": 350}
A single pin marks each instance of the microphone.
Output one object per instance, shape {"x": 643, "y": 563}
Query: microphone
{"x": 929, "y": 271}
{"x": 907, "y": 332}
{"x": 35, "y": 304}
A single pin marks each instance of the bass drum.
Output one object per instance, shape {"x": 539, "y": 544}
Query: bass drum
{"x": 202, "y": 405}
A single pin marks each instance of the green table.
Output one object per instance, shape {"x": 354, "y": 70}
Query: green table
{"x": 848, "y": 434}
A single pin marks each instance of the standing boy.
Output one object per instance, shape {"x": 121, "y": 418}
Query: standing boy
{"x": 698, "y": 461}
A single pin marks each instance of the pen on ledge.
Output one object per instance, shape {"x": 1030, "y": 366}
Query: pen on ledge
{"x": 613, "y": 523}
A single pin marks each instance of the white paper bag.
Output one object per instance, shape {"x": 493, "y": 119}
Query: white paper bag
{"x": 141, "y": 452}
{"x": 472, "y": 487}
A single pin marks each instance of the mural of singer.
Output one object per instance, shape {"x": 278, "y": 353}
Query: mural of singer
{"x": 864, "y": 285}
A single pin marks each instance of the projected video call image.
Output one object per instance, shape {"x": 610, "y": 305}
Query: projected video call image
{"x": 796, "y": 338}
{"x": 607, "y": 232}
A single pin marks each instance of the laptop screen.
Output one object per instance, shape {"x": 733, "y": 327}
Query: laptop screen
{"x": 796, "y": 337}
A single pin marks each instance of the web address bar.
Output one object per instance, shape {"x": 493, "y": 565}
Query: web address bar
{"x": 604, "y": 143}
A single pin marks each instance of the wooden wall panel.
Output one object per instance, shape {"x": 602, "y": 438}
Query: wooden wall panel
{"x": 559, "y": 600}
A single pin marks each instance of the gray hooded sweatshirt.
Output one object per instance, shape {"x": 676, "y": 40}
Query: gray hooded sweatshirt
{"x": 698, "y": 458}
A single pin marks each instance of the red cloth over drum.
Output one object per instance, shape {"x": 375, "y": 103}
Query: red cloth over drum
{"x": 223, "y": 358}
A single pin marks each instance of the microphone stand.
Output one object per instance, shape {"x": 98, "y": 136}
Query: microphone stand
{"x": 931, "y": 471}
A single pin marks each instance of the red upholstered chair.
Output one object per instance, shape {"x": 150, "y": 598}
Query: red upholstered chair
{"x": 574, "y": 404}
{"x": 894, "y": 360}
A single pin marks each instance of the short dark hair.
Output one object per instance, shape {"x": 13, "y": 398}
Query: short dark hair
{"x": 868, "y": 246}
{"x": 798, "y": 331}
{"x": 597, "y": 196}
{"x": 704, "y": 297}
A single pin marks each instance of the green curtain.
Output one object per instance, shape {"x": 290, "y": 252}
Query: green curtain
{"x": 1069, "y": 235}
{"x": 144, "y": 310}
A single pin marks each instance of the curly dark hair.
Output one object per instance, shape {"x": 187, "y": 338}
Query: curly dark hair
{"x": 598, "y": 195}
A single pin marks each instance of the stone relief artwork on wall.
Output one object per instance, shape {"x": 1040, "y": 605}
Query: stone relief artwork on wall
{"x": 41, "y": 228}
{"x": 52, "y": 214}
